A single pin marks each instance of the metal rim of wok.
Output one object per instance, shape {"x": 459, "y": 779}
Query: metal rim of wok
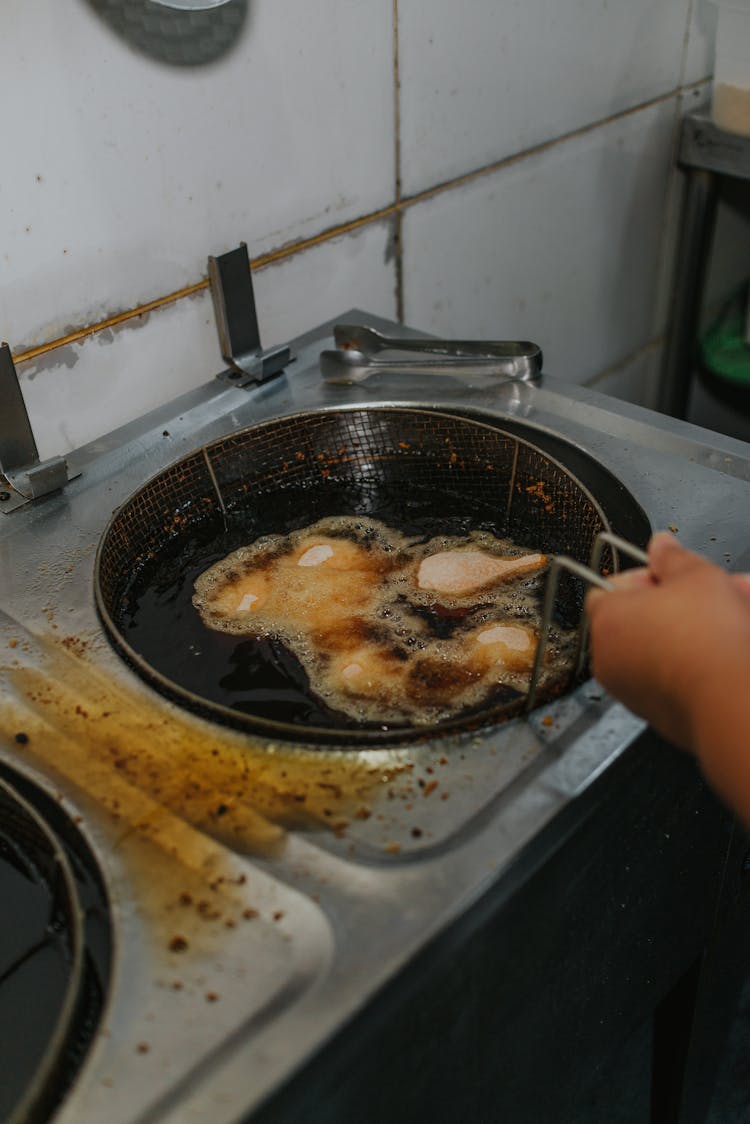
{"x": 41, "y": 849}
{"x": 307, "y": 448}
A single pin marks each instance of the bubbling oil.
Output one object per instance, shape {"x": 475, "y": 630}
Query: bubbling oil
{"x": 343, "y": 595}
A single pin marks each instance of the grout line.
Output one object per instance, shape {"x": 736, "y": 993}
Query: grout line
{"x": 328, "y": 235}
{"x": 398, "y": 254}
{"x": 648, "y": 398}
{"x": 536, "y": 150}
{"x": 695, "y": 84}
{"x": 398, "y": 241}
{"x": 110, "y": 322}
{"x": 396, "y": 104}
{"x": 651, "y": 345}
{"x": 664, "y": 266}
{"x": 660, "y": 340}
{"x": 190, "y": 290}
{"x": 395, "y": 209}
{"x": 686, "y": 40}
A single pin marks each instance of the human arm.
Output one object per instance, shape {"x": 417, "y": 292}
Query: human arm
{"x": 672, "y": 642}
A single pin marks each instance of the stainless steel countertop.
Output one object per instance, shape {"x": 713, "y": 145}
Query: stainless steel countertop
{"x": 358, "y": 906}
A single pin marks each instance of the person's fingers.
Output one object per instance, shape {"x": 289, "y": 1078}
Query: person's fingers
{"x": 742, "y": 582}
{"x": 593, "y": 598}
{"x": 667, "y": 558}
{"x": 637, "y": 578}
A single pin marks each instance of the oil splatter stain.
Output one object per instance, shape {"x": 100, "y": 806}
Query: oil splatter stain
{"x": 120, "y": 746}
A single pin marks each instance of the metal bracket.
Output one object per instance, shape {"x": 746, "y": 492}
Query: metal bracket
{"x": 237, "y": 322}
{"x": 23, "y": 477}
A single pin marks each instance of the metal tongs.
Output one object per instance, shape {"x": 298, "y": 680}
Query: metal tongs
{"x": 591, "y": 574}
{"x": 362, "y": 352}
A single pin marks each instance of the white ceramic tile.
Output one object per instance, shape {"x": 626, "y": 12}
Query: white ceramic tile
{"x": 121, "y": 174}
{"x": 636, "y": 379}
{"x": 483, "y": 80}
{"x": 560, "y": 247}
{"x": 77, "y": 393}
{"x": 699, "y": 57}
{"x": 352, "y": 271}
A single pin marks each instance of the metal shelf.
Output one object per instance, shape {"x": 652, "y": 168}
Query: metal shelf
{"x": 704, "y": 145}
{"x": 706, "y": 153}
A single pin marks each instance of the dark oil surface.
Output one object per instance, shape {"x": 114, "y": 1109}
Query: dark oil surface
{"x": 261, "y": 677}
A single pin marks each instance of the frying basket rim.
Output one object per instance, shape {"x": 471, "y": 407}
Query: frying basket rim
{"x": 317, "y": 736}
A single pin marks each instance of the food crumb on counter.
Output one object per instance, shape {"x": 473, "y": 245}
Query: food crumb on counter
{"x": 178, "y": 944}
{"x": 142, "y": 1048}
{"x": 207, "y": 911}
{"x": 211, "y": 997}
{"x": 13, "y": 642}
{"x": 393, "y": 848}
{"x": 548, "y": 720}
{"x": 673, "y": 529}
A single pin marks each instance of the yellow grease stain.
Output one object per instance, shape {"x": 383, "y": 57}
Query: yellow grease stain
{"x": 158, "y": 772}
{"x": 181, "y": 800}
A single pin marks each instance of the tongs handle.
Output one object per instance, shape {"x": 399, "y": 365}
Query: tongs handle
{"x": 368, "y": 341}
{"x": 363, "y": 352}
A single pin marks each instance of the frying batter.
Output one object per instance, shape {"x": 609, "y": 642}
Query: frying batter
{"x": 388, "y": 629}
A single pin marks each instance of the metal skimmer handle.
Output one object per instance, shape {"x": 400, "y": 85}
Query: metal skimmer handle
{"x": 588, "y": 574}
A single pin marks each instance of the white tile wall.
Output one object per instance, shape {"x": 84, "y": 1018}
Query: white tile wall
{"x": 561, "y": 248}
{"x": 76, "y": 393}
{"x": 634, "y": 380}
{"x": 121, "y": 174}
{"x": 353, "y": 271}
{"x": 483, "y": 79}
{"x": 699, "y": 57}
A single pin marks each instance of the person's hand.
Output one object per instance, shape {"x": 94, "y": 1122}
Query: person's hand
{"x": 672, "y": 641}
